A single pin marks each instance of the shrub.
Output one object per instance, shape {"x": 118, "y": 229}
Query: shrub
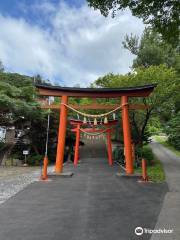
{"x": 147, "y": 154}
{"x": 173, "y": 131}
{"x": 154, "y": 130}
{"x": 118, "y": 155}
{"x": 35, "y": 160}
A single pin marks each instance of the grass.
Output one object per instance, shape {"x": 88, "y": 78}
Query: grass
{"x": 166, "y": 144}
{"x": 155, "y": 172}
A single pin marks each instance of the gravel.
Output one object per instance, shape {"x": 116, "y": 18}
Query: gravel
{"x": 12, "y": 180}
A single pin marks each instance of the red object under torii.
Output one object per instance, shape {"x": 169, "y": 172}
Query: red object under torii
{"x": 78, "y": 128}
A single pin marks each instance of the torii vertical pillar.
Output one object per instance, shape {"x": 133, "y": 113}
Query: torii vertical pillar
{"x": 61, "y": 135}
{"x": 109, "y": 146}
{"x": 127, "y": 135}
{"x": 76, "y": 152}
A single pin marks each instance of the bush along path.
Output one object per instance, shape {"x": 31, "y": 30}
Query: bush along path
{"x": 155, "y": 170}
{"x": 169, "y": 216}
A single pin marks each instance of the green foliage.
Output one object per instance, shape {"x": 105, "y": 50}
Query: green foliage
{"x": 151, "y": 49}
{"x": 144, "y": 152}
{"x": 167, "y": 87}
{"x": 118, "y": 155}
{"x": 147, "y": 154}
{"x": 17, "y": 96}
{"x": 153, "y": 130}
{"x": 19, "y": 107}
{"x": 39, "y": 80}
{"x": 38, "y": 135}
{"x": 35, "y": 159}
{"x": 173, "y": 131}
{"x": 155, "y": 172}
{"x": 162, "y": 15}
{"x": 2, "y": 145}
{"x": 154, "y": 125}
{"x": 131, "y": 43}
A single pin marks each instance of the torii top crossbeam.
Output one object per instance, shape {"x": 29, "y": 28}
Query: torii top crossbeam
{"x": 139, "y": 91}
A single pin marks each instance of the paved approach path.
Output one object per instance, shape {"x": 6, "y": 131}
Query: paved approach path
{"x": 94, "y": 204}
{"x": 170, "y": 213}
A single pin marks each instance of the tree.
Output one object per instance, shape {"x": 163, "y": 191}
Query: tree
{"x": 17, "y": 97}
{"x": 152, "y": 50}
{"x": 162, "y": 15}
{"x": 19, "y": 108}
{"x": 173, "y": 130}
{"x": 37, "y": 79}
{"x": 1, "y": 67}
{"x": 160, "y": 102}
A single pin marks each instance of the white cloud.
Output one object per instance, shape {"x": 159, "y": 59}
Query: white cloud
{"x": 78, "y": 46}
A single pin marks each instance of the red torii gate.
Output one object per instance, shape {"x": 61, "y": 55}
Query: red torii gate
{"x": 123, "y": 93}
{"x": 78, "y": 124}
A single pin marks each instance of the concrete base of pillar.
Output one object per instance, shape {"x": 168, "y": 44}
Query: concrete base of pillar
{"x": 134, "y": 175}
{"x": 46, "y": 180}
{"x": 63, "y": 174}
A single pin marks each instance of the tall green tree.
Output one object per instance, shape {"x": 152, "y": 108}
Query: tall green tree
{"x": 19, "y": 108}
{"x": 173, "y": 130}
{"x": 162, "y": 15}
{"x": 17, "y": 97}
{"x": 152, "y": 50}
{"x": 160, "y": 102}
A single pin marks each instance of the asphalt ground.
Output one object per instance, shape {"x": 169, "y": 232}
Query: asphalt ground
{"x": 169, "y": 217}
{"x": 94, "y": 204}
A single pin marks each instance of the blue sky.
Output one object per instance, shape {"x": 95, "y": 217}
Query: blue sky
{"x": 64, "y": 41}
{"x": 25, "y": 9}
{"x": 13, "y": 7}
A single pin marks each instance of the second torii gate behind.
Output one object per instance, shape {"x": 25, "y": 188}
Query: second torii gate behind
{"x": 78, "y": 128}
{"x": 123, "y": 93}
